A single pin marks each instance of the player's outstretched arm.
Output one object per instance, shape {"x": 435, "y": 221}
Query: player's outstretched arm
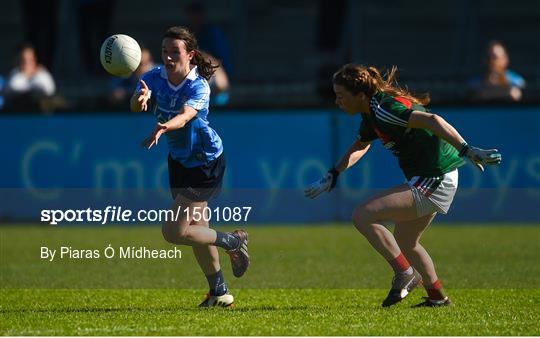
{"x": 438, "y": 126}
{"x": 180, "y": 120}
{"x": 328, "y": 182}
{"x": 355, "y": 152}
{"x": 177, "y": 122}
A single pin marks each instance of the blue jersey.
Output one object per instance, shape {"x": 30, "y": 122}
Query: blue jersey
{"x": 196, "y": 143}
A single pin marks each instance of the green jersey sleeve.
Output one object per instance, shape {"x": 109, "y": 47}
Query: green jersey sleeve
{"x": 393, "y": 111}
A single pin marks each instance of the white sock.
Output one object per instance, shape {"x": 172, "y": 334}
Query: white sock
{"x": 408, "y": 272}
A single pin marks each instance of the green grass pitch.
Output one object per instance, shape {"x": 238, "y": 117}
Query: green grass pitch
{"x": 316, "y": 280}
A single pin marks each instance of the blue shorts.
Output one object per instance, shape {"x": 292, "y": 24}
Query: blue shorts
{"x": 198, "y": 184}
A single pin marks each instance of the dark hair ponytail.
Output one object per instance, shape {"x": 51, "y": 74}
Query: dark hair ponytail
{"x": 368, "y": 80}
{"x": 204, "y": 64}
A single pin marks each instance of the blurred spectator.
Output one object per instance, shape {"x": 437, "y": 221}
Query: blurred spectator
{"x": 498, "y": 83}
{"x": 40, "y": 26}
{"x": 94, "y": 19}
{"x": 122, "y": 88}
{"x": 210, "y": 37}
{"x": 29, "y": 84}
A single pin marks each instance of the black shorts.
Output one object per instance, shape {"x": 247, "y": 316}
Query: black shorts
{"x": 197, "y": 184}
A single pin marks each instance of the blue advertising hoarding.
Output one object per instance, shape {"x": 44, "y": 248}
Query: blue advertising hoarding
{"x": 271, "y": 156}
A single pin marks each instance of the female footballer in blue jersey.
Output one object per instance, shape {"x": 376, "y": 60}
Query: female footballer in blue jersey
{"x": 180, "y": 96}
{"x": 429, "y": 151}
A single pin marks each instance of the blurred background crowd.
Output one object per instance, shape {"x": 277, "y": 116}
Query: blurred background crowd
{"x": 273, "y": 53}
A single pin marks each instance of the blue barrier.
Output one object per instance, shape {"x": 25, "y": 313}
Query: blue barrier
{"x": 271, "y": 157}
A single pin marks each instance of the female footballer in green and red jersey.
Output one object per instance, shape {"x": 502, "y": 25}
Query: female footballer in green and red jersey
{"x": 429, "y": 151}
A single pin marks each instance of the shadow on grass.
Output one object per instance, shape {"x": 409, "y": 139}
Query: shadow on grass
{"x": 89, "y": 310}
{"x": 261, "y": 308}
{"x": 152, "y": 309}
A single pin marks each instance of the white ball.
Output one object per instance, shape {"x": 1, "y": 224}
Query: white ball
{"x": 120, "y": 55}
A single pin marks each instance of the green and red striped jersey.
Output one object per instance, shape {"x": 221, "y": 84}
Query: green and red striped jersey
{"x": 419, "y": 151}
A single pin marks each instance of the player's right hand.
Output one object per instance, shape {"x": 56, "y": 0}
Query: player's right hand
{"x": 143, "y": 95}
{"x": 327, "y": 183}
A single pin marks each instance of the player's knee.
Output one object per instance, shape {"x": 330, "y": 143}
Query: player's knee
{"x": 357, "y": 215}
{"x": 174, "y": 235}
{"x": 361, "y": 218}
{"x": 407, "y": 243}
{"x": 167, "y": 234}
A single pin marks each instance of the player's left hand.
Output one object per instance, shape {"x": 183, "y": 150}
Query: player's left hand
{"x": 480, "y": 157}
{"x": 153, "y": 139}
{"x": 327, "y": 183}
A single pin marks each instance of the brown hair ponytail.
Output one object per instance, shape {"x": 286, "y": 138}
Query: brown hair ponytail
{"x": 368, "y": 80}
{"x": 204, "y": 64}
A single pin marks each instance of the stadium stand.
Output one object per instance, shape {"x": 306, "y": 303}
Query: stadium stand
{"x": 437, "y": 46}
